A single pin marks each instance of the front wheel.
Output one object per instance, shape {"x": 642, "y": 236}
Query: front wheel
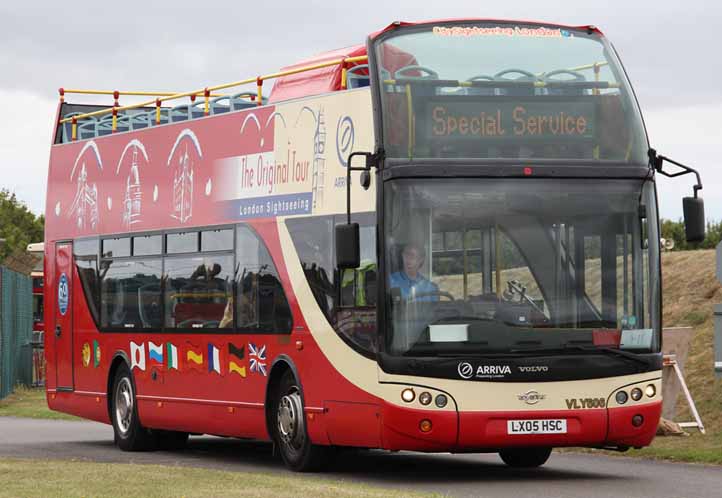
{"x": 130, "y": 435}
{"x": 289, "y": 429}
{"x": 525, "y": 457}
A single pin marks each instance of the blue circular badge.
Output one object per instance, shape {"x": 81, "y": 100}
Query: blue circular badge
{"x": 63, "y": 294}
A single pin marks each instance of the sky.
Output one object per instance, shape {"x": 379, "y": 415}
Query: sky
{"x": 669, "y": 49}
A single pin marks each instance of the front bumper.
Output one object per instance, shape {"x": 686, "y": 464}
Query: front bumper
{"x": 469, "y": 431}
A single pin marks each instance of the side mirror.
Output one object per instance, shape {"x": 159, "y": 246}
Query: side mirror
{"x": 348, "y": 252}
{"x": 694, "y": 226}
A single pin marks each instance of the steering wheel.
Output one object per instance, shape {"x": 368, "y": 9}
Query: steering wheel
{"x": 522, "y": 72}
{"x": 438, "y": 293}
{"x": 577, "y": 76}
{"x": 430, "y": 73}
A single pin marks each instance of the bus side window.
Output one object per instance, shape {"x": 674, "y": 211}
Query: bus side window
{"x": 356, "y": 313}
{"x": 261, "y": 302}
{"x": 197, "y": 291}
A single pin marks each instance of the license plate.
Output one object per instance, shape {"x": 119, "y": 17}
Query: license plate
{"x": 545, "y": 426}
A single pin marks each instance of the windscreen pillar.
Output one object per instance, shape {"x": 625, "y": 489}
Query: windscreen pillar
{"x": 718, "y": 321}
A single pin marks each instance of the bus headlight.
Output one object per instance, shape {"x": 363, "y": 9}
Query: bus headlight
{"x": 425, "y": 398}
{"x": 408, "y": 395}
{"x": 441, "y": 400}
{"x": 621, "y": 397}
{"x": 650, "y": 390}
{"x": 636, "y": 394}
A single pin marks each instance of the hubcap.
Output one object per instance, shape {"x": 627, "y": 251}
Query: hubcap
{"x": 124, "y": 405}
{"x": 290, "y": 421}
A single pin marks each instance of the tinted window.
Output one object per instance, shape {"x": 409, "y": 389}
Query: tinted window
{"x": 198, "y": 292}
{"x": 182, "y": 242}
{"x": 217, "y": 240}
{"x": 86, "y": 261}
{"x": 313, "y": 238}
{"x": 262, "y": 304}
{"x": 116, "y": 248}
{"x": 131, "y": 297}
{"x": 349, "y": 302}
{"x": 147, "y": 245}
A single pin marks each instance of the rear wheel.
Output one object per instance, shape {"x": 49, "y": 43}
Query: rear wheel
{"x": 289, "y": 429}
{"x": 129, "y": 434}
{"x": 525, "y": 457}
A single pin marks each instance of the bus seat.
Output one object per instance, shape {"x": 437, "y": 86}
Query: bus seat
{"x": 520, "y": 91}
{"x": 219, "y": 105}
{"x": 355, "y": 77}
{"x": 104, "y": 126}
{"x": 87, "y": 128}
{"x": 179, "y": 113}
{"x": 197, "y": 109}
{"x": 68, "y": 127}
{"x": 122, "y": 123}
{"x": 571, "y": 76}
{"x": 238, "y": 102}
{"x": 141, "y": 120}
{"x": 164, "y": 116}
{"x": 480, "y": 90}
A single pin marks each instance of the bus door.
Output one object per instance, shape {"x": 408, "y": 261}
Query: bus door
{"x": 63, "y": 326}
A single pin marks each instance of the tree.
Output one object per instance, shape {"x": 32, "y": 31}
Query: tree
{"x": 18, "y": 225}
{"x": 675, "y": 230}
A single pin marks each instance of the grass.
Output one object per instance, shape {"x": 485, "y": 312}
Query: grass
{"x": 86, "y": 479}
{"x": 30, "y": 403}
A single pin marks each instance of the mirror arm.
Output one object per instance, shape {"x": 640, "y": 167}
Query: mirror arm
{"x": 372, "y": 160}
{"x": 657, "y": 160}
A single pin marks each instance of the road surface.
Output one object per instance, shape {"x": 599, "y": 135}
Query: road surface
{"x": 565, "y": 475}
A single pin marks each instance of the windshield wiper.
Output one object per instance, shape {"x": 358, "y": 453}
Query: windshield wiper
{"x": 593, "y": 349}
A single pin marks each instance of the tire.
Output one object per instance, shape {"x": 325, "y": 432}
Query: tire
{"x": 171, "y": 440}
{"x": 525, "y": 457}
{"x": 289, "y": 429}
{"x": 130, "y": 435}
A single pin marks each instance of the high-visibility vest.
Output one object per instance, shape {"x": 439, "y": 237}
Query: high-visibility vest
{"x": 360, "y": 272}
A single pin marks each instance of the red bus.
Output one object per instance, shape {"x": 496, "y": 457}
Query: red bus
{"x": 443, "y": 240}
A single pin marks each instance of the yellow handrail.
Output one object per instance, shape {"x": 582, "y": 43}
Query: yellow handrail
{"x": 204, "y": 91}
{"x": 127, "y": 93}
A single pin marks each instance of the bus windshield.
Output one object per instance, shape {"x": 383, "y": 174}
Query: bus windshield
{"x": 506, "y": 91}
{"x": 505, "y": 266}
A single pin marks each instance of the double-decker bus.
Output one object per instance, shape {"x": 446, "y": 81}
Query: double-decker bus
{"x": 443, "y": 240}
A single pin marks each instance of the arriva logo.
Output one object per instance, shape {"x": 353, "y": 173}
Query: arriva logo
{"x": 465, "y": 370}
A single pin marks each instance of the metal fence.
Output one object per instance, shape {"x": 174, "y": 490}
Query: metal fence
{"x": 16, "y": 330}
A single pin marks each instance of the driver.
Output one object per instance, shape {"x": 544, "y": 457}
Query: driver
{"x": 409, "y": 280}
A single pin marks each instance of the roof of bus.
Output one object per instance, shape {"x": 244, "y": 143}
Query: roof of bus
{"x": 328, "y": 79}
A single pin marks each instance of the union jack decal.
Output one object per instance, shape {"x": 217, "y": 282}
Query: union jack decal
{"x": 257, "y": 357}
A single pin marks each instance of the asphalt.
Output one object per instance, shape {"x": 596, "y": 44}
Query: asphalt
{"x": 565, "y": 475}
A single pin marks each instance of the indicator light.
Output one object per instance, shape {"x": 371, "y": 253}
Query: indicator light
{"x": 425, "y": 398}
{"x": 425, "y": 425}
{"x": 621, "y": 397}
{"x": 408, "y": 395}
{"x": 441, "y": 400}
{"x": 636, "y": 394}
{"x": 650, "y": 390}
{"x": 528, "y": 171}
{"x": 637, "y": 420}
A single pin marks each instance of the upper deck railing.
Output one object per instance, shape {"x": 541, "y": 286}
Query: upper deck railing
{"x": 257, "y": 98}
{"x": 206, "y": 93}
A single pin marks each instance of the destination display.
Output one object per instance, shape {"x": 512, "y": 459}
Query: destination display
{"x": 462, "y": 119}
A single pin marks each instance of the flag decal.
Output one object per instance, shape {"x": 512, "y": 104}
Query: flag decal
{"x": 137, "y": 355}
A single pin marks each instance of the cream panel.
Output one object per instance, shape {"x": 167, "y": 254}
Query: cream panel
{"x": 468, "y": 395}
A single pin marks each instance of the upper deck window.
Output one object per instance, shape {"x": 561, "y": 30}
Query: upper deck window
{"x": 511, "y": 91}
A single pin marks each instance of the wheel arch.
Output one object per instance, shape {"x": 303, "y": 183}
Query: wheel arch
{"x": 118, "y": 359}
{"x": 281, "y": 364}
